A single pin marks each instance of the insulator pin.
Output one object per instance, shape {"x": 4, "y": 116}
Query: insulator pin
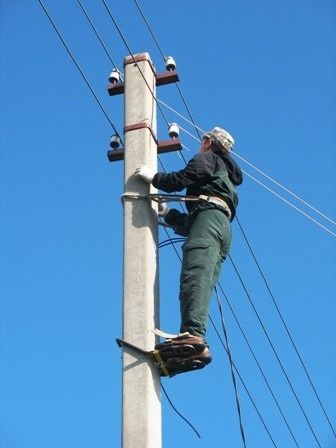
{"x": 170, "y": 64}
{"x": 114, "y": 77}
{"x": 115, "y": 141}
{"x": 173, "y": 130}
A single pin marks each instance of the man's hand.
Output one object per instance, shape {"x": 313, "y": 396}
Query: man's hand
{"x": 163, "y": 209}
{"x": 145, "y": 173}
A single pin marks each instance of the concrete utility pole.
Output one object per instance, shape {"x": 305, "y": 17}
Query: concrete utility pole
{"x": 141, "y": 382}
{"x": 141, "y": 404}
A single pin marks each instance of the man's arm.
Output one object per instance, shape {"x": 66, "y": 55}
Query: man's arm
{"x": 198, "y": 171}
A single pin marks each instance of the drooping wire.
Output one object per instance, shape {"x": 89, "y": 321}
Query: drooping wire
{"x": 164, "y": 58}
{"x": 77, "y": 65}
{"x": 179, "y": 414}
{"x": 228, "y": 350}
{"x": 284, "y": 323}
{"x": 243, "y": 383}
{"x": 258, "y": 364}
{"x": 274, "y": 351}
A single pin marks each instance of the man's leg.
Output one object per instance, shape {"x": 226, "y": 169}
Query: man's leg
{"x": 202, "y": 254}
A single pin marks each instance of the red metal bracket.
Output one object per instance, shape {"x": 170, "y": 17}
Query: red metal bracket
{"x": 164, "y": 146}
{"x": 161, "y": 80}
{"x": 143, "y": 125}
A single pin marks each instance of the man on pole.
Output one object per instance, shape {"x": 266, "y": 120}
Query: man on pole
{"x": 210, "y": 176}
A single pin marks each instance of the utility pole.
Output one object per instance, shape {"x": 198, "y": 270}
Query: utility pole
{"x": 141, "y": 395}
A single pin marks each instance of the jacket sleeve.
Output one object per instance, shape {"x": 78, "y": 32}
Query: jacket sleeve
{"x": 198, "y": 171}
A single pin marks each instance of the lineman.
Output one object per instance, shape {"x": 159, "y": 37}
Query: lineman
{"x": 211, "y": 175}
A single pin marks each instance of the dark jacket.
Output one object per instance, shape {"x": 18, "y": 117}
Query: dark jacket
{"x": 209, "y": 173}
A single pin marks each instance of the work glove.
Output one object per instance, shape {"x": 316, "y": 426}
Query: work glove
{"x": 163, "y": 209}
{"x": 145, "y": 173}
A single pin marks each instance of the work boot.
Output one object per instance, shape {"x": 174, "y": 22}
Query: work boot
{"x": 204, "y": 356}
{"x": 185, "y": 339}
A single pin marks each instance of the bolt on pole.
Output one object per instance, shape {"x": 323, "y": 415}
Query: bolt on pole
{"x": 141, "y": 401}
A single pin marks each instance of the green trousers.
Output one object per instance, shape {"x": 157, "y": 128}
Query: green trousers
{"x": 205, "y": 249}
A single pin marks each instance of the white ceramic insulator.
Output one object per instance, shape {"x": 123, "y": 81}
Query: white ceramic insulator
{"x": 173, "y": 130}
{"x": 115, "y": 141}
{"x": 170, "y": 63}
{"x": 114, "y": 76}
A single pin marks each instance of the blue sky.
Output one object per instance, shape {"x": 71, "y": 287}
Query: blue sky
{"x": 264, "y": 70}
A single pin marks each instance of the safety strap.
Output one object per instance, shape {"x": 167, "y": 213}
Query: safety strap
{"x": 157, "y": 356}
{"x": 180, "y": 198}
{"x": 162, "y": 334}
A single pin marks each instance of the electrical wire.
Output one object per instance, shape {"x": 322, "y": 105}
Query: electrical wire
{"x": 274, "y": 351}
{"x": 243, "y": 383}
{"x": 242, "y": 432}
{"x": 98, "y": 35}
{"x": 164, "y": 58}
{"x": 158, "y": 102}
{"x": 284, "y": 324}
{"x": 247, "y": 162}
{"x": 132, "y": 55}
{"x": 257, "y": 362}
{"x": 77, "y": 65}
{"x": 179, "y": 413}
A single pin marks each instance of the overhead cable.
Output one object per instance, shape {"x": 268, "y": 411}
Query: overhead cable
{"x": 249, "y": 163}
{"x": 242, "y": 432}
{"x": 244, "y": 385}
{"x": 275, "y": 352}
{"x": 284, "y": 323}
{"x": 257, "y": 363}
{"x": 164, "y": 58}
{"x": 98, "y": 35}
{"x": 77, "y": 65}
{"x": 179, "y": 413}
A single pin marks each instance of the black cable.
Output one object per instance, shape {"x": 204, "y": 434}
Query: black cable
{"x": 231, "y": 368}
{"x": 258, "y": 364}
{"x": 243, "y": 383}
{"x": 285, "y": 325}
{"x": 274, "y": 351}
{"x": 170, "y": 241}
{"x": 164, "y": 58}
{"x": 77, "y": 65}
{"x": 178, "y": 413}
{"x": 97, "y": 34}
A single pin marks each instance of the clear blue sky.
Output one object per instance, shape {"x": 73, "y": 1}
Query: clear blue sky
{"x": 266, "y": 71}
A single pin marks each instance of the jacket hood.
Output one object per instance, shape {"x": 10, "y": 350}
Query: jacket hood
{"x": 235, "y": 173}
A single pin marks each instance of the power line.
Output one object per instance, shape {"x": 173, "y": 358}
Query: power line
{"x": 179, "y": 413}
{"x": 274, "y": 351}
{"x": 244, "y": 384}
{"x": 158, "y": 101}
{"x": 132, "y": 55}
{"x": 284, "y": 324}
{"x": 258, "y": 364}
{"x": 242, "y": 432}
{"x": 77, "y": 65}
{"x": 164, "y": 58}
{"x": 246, "y": 161}
{"x": 290, "y": 204}
{"x": 98, "y": 35}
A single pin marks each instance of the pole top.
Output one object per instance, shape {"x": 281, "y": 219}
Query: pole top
{"x": 132, "y": 59}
